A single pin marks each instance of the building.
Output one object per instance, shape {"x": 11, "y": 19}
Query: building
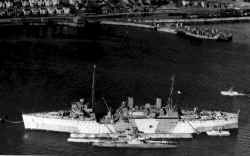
{"x": 211, "y": 4}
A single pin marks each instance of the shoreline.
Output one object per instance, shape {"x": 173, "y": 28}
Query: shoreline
{"x": 201, "y": 20}
{"x": 76, "y": 21}
{"x": 73, "y": 21}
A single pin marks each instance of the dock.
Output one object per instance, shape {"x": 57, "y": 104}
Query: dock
{"x": 130, "y": 24}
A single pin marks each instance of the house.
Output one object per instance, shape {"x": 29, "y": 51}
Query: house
{"x": 212, "y": 4}
{"x": 48, "y": 3}
{"x": 74, "y": 2}
{"x": 43, "y": 11}
{"x": 66, "y": 10}
{"x": 215, "y": 4}
{"x": 2, "y": 13}
{"x": 25, "y": 3}
{"x": 59, "y": 11}
{"x": 2, "y": 5}
{"x": 26, "y": 12}
{"x": 32, "y": 3}
{"x": 185, "y": 3}
{"x": 105, "y": 9}
{"x": 40, "y": 3}
{"x": 8, "y": 4}
{"x": 35, "y": 11}
{"x": 55, "y": 2}
{"x": 51, "y": 10}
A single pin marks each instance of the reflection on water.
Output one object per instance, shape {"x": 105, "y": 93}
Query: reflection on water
{"x": 44, "y": 68}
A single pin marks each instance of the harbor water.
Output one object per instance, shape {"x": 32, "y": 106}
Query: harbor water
{"x": 44, "y": 68}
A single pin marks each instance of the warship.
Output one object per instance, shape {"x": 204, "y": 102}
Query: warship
{"x": 150, "y": 121}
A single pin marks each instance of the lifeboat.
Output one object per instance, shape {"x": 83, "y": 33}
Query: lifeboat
{"x": 133, "y": 145}
{"x": 218, "y": 133}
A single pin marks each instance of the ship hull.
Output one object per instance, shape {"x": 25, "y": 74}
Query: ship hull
{"x": 184, "y": 126}
{"x": 35, "y": 122}
{"x": 125, "y": 145}
{"x": 147, "y": 125}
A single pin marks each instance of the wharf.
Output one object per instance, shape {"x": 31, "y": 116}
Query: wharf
{"x": 140, "y": 25}
{"x": 199, "y": 20}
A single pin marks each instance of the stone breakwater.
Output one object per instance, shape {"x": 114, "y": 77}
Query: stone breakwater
{"x": 140, "y": 25}
{"x": 56, "y": 20}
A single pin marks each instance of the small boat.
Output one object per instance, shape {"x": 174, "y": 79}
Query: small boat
{"x": 218, "y": 133}
{"x": 231, "y": 92}
{"x": 160, "y": 142}
{"x": 135, "y": 145}
{"x": 83, "y": 140}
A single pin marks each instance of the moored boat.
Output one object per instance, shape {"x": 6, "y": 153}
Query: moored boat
{"x": 218, "y": 133}
{"x": 134, "y": 145}
{"x": 203, "y": 34}
{"x": 83, "y": 140}
{"x": 231, "y": 92}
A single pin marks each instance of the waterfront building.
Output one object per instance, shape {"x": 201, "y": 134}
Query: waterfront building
{"x": 43, "y": 11}
{"x": 34, "y": 11}
{"x": 8, "y": 4}
{"x": 59, "y": 11}
{"x": 2, "y": 5}
{"x": 25, "y": 3}
{"x": 217, "y": 4}
{"x": 105, "y": 9}
{"x": 26, "y": 11}
{"x": 32, "y": 3}
{"x": 51, "y": 10}
{"x": 48, "y": 3}
{"x": 40, "y": 3}
{"x": 74, "y": 2}
{"x": 211, "y": 4}
{"x": 66, "y": 10}
{"x": 55, "y": 2}
{"x": 185, "y": 3}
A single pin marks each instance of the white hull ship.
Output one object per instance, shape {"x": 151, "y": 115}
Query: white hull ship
{"x": 153, "y": 121}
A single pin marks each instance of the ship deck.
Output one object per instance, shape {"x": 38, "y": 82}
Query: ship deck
{"x": 187, "y": 115}
{"x": 56, "y": 115}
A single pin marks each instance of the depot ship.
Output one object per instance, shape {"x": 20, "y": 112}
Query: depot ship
{"x": 154, "y": 121}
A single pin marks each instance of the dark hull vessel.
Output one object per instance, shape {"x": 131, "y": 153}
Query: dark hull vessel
{"x": 217, "y": 37}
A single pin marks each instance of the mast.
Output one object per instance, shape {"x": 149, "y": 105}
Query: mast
{"x": 93, "y": 87}
{"x": 170, "y": 99}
